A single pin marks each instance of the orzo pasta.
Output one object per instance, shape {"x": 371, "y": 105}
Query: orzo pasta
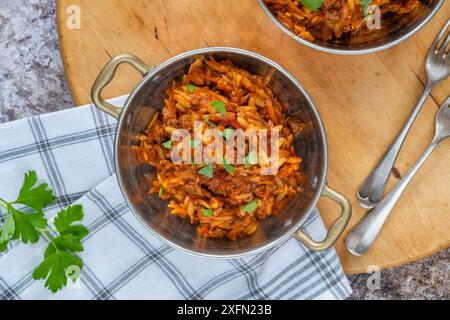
{"x": 222, "y": 200}
{"x": 334, "y": 18}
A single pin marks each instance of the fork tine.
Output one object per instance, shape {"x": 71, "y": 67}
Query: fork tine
{"x": 443, "y": 49}
{"x": 439, "y": 37}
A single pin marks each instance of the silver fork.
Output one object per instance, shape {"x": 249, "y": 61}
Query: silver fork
{"x": 365, "y": 232}
{"x": 437, "y": 67}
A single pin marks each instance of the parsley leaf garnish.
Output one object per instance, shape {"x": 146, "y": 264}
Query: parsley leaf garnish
{"x": 250, "y": 207}
{"x": 161, "y": 191}
{"x": 227, "y": 133}
{"x": 219, "y": 106}
{"x": 194, "y": 143}
{"x": 65, "y": 219}
{"x": 36, "y": 198}
{"x": 54, "y": 267}
{"x": 312, "y": 5}
{"x": 60, "y": 256}
{"x": 3, "y": 246}
{"x": 206, "y": 119}
{"x": 365, "y": 4}
{"x": 6, "y": 231}
{"x": 207, "y": 171}
{"x": 27, "y": 225}
{"x": 251, "y": 158}
{"x": 228, "y": 167}
{"x": 167, "y": 144}
{"x": 207, "y": 212}
{"x": 191, "y": 87}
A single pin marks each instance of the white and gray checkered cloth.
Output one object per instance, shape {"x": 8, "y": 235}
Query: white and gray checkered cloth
{"x": 72, "y": 150}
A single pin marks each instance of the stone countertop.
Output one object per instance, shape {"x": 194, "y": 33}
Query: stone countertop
{"x": 32, "y": 82}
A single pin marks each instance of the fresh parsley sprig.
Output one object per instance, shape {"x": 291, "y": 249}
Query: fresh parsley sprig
{"x": 29, "y": 224}
{"x": 60, "y": 260}
{"x": 26, "y": 225}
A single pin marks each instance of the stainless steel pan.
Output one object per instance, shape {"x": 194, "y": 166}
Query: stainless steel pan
{"x": 135, "y": 178}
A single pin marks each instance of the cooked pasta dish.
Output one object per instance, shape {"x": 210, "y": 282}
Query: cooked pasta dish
{"x": 331, "y": 19}
{"x": 226, "y": 199}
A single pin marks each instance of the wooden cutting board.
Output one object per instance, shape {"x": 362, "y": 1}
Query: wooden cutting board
{"x": 364, "y": 100}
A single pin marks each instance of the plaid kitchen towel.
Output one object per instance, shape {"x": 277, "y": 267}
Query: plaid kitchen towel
{"x": 72, "y": 150}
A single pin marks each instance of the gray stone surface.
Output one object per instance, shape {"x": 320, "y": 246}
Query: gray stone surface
{"x": 32, "y": 78}
{"x": 425, "y": 279}
{"x": 32, "y": 82}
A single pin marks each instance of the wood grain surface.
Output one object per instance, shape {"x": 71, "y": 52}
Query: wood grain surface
{"x": 363, "y": 100}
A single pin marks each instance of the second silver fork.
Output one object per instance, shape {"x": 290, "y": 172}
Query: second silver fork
{"x": 437, "y": 67}
{"x": 364, "y": 233}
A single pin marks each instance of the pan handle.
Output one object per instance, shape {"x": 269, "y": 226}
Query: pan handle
{"x": 107, "y": 75}
{"x": 336, "y": 228}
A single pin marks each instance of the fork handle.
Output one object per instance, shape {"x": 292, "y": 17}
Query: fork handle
{"x": 372, "y": 189}
{"x": 361, "y": 237}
